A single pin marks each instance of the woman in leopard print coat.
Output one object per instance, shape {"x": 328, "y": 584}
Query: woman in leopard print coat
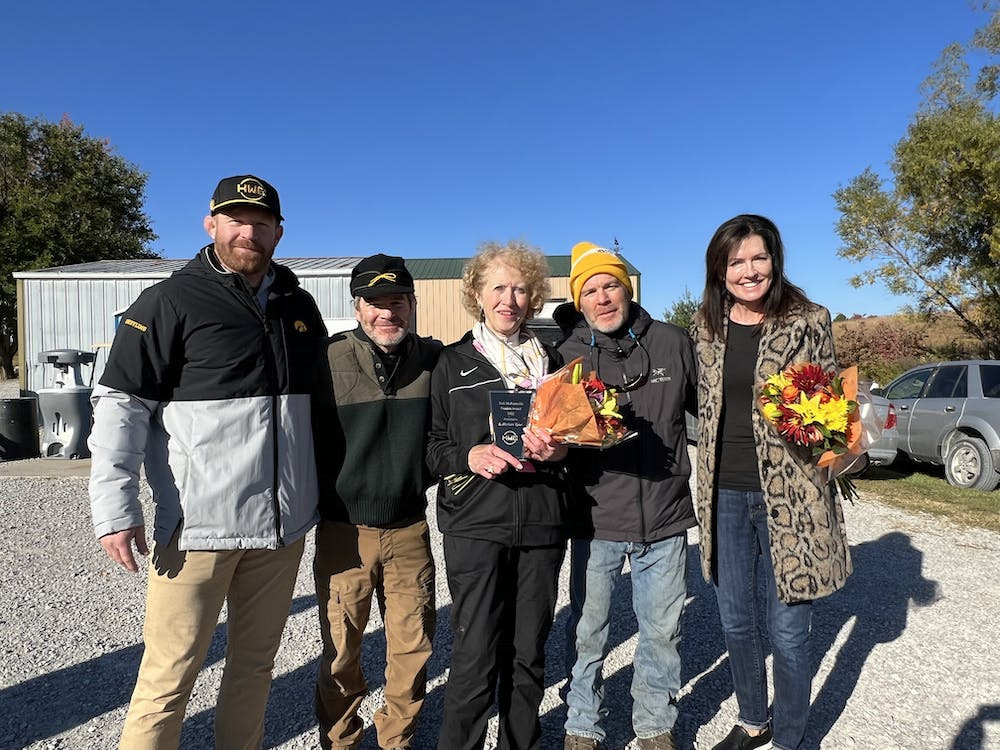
{"x": 763, "y": 507}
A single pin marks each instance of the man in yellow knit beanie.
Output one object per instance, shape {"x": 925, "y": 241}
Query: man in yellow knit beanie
{"x": 635, "y": 504}
{"x": 589, "y": 259}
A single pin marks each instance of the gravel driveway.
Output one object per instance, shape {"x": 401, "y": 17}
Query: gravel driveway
{"x": 906, "y": 654}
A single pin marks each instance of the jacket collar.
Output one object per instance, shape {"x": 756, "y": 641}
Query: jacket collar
{"x": 206, "y": 264}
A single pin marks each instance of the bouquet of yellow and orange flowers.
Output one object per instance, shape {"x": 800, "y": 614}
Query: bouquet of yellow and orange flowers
{"x": 578, "y": 409}
{"x": 818, "y": 409}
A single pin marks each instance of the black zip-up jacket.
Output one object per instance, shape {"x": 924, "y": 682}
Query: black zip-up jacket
{"x": 515, "y": 508}
{"x": 638, "y": 490}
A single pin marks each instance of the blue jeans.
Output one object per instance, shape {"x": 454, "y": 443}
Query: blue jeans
{"x": 742, "y": 551}
{"x": 658, "y": 593}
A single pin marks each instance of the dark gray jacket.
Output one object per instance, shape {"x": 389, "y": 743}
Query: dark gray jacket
{"x": 638, "y": 490}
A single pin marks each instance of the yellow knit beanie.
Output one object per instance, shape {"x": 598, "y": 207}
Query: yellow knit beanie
{"x": 589, "y": 259}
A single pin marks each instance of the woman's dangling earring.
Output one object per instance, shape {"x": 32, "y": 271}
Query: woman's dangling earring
{"x": 482, "y": 315}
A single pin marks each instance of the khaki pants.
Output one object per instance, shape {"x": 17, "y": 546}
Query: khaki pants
{"x": 185, "y": 596}
{"x": 352, "y": 563}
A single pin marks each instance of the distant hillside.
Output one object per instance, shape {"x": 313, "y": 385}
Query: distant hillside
{"x": 944, "y": 331}
{"x": 887, "y": 345}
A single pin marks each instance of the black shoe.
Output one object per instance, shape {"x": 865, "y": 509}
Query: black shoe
{"x": 738, "y": 739}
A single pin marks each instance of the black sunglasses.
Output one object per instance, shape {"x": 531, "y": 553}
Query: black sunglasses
{"x": 629, "y": 382}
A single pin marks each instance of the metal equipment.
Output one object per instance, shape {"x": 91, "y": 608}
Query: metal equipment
{"x": 65, "y": 407}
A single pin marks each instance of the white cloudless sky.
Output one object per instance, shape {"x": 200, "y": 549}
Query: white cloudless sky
{"x": 424, "y": 128}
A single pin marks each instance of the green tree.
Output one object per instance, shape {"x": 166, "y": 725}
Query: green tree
{"x": 934, "y": 228}
{"x": 64, "y": 198}
{"x": 681, "y": 313}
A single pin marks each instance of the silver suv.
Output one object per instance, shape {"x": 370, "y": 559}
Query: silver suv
{"x": 949, "y": 414}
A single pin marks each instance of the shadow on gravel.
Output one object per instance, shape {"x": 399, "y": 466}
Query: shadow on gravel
{"x": 31, "y": 712}
{"x": 291, "y": 696}
{"x": 702, "y": 647}
{"x": 617, "y": 696}
{"x": 888, "y": 576}
{"x": 973, "y": 732}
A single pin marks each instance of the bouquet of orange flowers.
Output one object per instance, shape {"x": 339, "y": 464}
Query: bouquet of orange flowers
{"x": 818, "y": 409}
{"x": 577, "y": 409}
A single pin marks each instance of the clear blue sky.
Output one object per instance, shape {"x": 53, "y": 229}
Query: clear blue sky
{"x": 424, "y": 128}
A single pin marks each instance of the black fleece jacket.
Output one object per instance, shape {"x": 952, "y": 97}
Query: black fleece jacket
{"x": 516, "y": 508}
{"x": 638, "y": 490}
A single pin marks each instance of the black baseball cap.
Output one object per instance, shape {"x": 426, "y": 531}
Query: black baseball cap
{"x": 380, "y": 274}
{"x": 245, "y": 190}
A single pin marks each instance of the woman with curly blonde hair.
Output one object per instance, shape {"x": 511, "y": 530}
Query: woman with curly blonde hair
{"x": 502, "y": 514}
{"x": 518, "y": 254}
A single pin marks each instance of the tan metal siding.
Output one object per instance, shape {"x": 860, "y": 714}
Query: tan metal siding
{"x": 439, "y": 309}
{"x": 560, "y": 287}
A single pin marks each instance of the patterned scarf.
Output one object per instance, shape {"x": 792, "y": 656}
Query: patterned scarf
{"x": 520, "y": 358}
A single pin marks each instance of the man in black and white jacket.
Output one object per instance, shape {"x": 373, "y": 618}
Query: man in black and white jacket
{"x": 210, "y": 384}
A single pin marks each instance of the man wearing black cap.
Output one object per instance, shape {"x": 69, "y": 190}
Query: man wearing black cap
{"x": 210, "y": 384}
{"x": 373, "y": 538}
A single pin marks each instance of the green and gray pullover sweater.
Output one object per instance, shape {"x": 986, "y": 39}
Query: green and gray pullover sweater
{"x": 372, "y": 471}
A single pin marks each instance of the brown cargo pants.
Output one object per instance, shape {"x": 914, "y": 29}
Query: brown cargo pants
{"x": 353, "y": 563}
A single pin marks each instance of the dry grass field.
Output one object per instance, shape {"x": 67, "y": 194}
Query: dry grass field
{"x": 945, "y": 331}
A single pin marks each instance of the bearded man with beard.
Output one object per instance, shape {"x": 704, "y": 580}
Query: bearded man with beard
{"x": 214, "y": 382}
{"x": 373, "y": 538}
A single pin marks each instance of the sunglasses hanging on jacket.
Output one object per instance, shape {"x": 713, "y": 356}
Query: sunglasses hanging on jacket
{"x": 623, "y": 355}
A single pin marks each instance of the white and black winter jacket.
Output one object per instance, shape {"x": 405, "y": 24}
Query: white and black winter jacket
{"x": 214, "y": 395}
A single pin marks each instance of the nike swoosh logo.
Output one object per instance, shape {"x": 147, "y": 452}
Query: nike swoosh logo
{"x": 463, "y": 373}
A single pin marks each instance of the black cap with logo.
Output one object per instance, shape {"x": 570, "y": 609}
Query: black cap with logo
{"x": 245, "y": 190}
{"x": 380, "y": 274}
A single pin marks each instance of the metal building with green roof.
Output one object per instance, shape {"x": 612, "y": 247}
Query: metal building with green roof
{"x": 74, "y": 307}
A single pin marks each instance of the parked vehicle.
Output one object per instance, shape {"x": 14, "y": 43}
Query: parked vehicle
{"x": 949, "y": 415}
{"x": 883, "y": 452}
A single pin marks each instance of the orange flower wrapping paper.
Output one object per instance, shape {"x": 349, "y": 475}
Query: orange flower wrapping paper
{"x": 563, "y": 409}
{"x": 849, "y": 382}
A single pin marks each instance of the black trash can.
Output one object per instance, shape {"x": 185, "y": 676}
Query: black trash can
{"x": 18, "y": 428}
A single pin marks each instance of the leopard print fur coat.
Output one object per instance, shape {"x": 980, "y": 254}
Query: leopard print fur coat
{"x": 805, "y": 519}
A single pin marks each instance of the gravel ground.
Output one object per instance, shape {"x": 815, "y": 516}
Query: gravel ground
{"x": 906, "y": 654}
